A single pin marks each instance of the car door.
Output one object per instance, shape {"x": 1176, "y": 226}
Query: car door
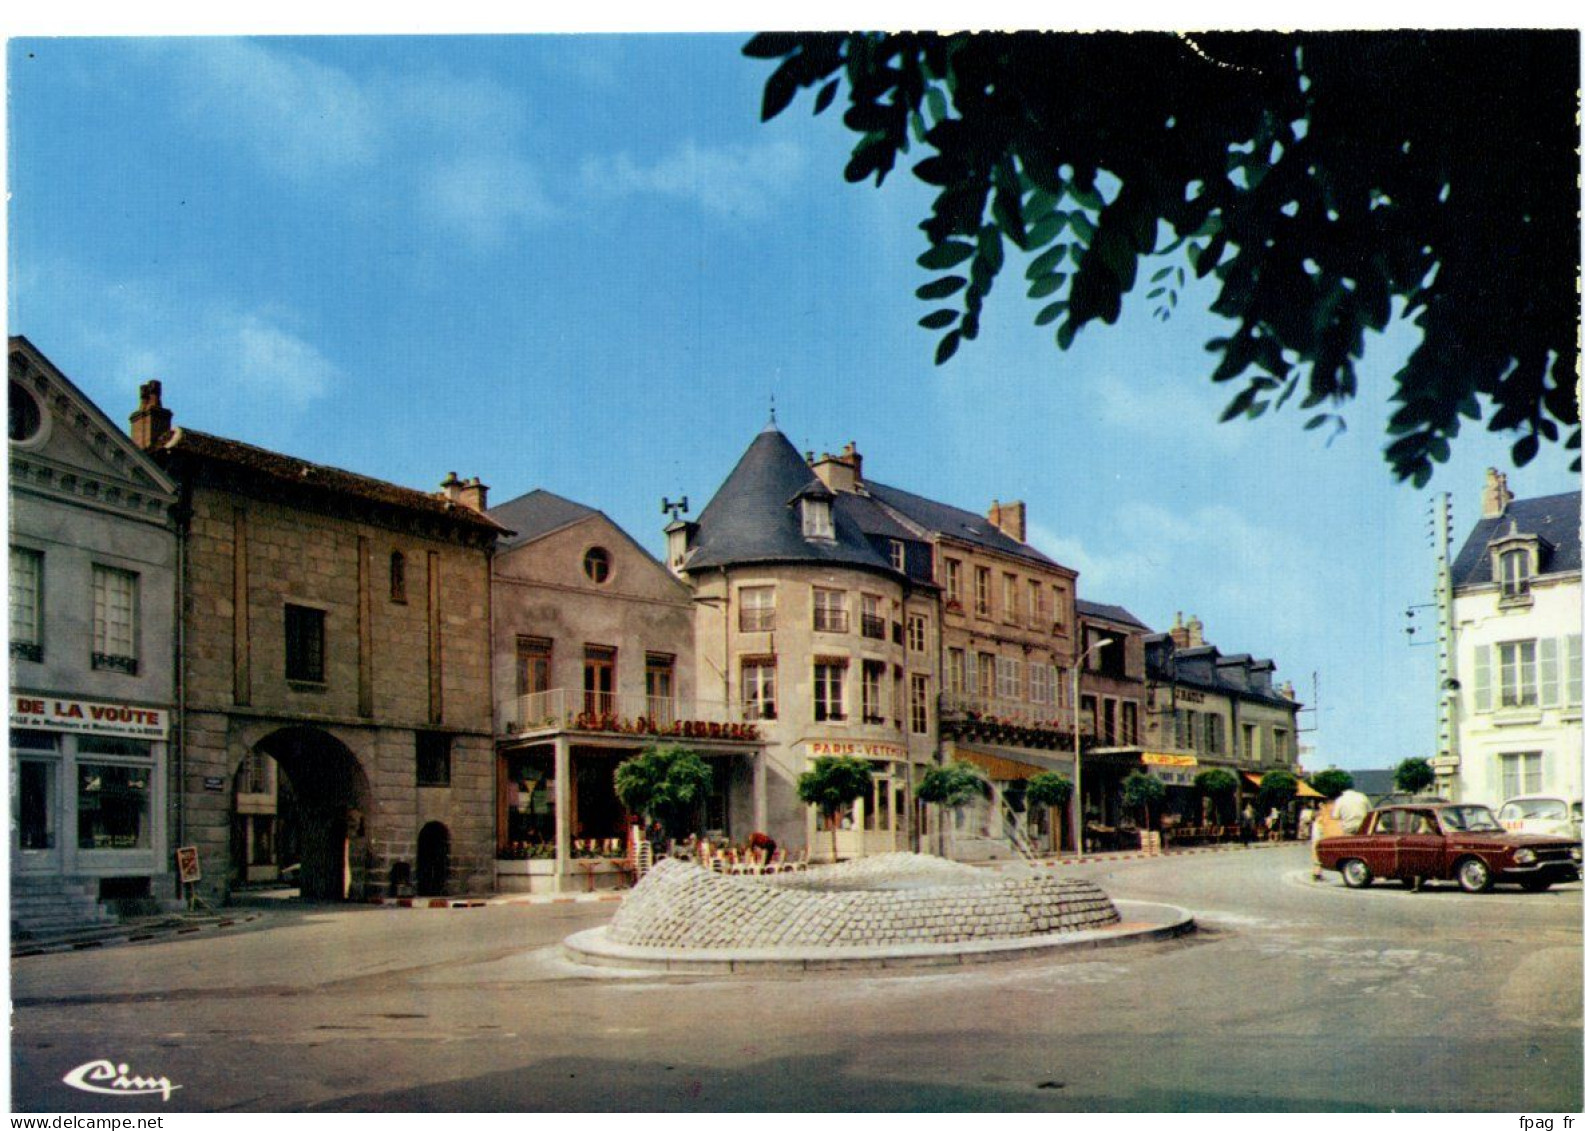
{"x": 1378, "y": 842}
{"x": 1420, "y": 844}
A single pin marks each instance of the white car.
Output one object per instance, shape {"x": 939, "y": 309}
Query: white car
{"x": 1538, "y": 814}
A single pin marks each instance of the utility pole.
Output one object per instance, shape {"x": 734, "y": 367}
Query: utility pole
{"x": 1446, "y": 761}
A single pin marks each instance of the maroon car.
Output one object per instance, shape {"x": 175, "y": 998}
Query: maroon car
{"x": 1448, "y": 842}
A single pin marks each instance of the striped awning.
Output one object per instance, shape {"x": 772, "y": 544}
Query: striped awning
{"x": 1305, "y": 789}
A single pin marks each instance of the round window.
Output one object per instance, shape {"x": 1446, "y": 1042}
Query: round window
{"x": 25, "y": 415}
{"x": 597, "y": 564}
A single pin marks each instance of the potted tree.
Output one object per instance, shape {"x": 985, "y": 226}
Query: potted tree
{"x": 1217, "y": 785}
{"x": 1413, "y": 775}
{"x": 1142, "y": 790}
{"x": 831, "y": 784}
{"x": 1277, "y": 789}
{"x": 951, "y": 787}
{"x": 1053, "y": 791}
{"x": 666, "y": 783}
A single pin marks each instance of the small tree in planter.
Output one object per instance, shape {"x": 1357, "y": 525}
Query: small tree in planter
{"x": 1413, "y": 775}
{"x": 831, "y": 784}
{"x": 952, "y": 786}
{"x": 1277, "y": 788}
{"x": 1330, "y": 783}
{"x": 665, "y": 783}
{"x": 1141, "y": 791}
{"x": 1053, "y": 791}
{"x": 1218, "y": 785}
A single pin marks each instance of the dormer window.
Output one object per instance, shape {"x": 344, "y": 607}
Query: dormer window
{"x": 1513, "y": 568}
{"x": 817, "y": 518}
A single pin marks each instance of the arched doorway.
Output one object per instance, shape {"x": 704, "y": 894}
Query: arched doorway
{"x": 434, "y": 858}
{"x": 323, "y": 829}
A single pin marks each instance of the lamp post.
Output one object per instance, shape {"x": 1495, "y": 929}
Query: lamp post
{"x": 1078, "y": 760}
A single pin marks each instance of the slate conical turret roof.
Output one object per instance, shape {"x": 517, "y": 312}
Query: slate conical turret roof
{"x": 754, "y": 516}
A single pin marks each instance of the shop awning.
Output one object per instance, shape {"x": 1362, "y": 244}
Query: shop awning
{"x": 1159, "y": 758}
{"x": 1305, "y": 789}
{"x": 1001, "y": 769}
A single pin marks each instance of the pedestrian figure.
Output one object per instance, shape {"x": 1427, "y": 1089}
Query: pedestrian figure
{"x": 1350, "y": 809}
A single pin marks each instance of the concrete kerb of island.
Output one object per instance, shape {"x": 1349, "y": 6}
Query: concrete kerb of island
{"x": 1141, "y": 922}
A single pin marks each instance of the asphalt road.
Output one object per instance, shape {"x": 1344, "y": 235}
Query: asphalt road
{"x": 1293, "y": 996}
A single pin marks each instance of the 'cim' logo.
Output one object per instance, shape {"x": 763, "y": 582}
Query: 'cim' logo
{"x": 107, "y": 1078}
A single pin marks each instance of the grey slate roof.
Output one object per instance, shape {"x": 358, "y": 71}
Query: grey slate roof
{"x": 953, "y": 522}
{"x": 1115, "y": 613}
{"x": 1204, "y": 667}
{"x": 537, "y": 514}
{"x": 751, "y": 518}
{"x": 1556, "y": 518}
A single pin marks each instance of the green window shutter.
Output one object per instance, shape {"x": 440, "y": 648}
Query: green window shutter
{"x": 1547, "y": 654}
{"x": 1572, "y": 669}
{"x": 1483, "y": 678}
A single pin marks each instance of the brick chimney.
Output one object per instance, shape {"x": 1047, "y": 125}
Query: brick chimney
{"x": 840, "y": 472}
{"x": 1179, "y": 634}
{"x": 1196, "y": 632}
{"x": 1286, "y": 689}
{"x": 1495, "y": 498}
{"x": 1008, "y": 518}
{"x": 151, "y": 423}
{"x": 472, "y": 495}
{"x": 451, "y": 488}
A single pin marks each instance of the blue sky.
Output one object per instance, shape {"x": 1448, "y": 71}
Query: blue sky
{"x": 582, "y": 263}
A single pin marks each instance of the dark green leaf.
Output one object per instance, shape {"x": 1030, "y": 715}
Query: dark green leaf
{"x": 941, "y": 288}
{"x": 939, "y": 319}
{"x": 1046, "y": 262}
{"x": 1050, "y": 285}
{"x": 944, "y": 255}
{"x": 948, "y": 347}
{"x": 1524, "y": 450}
{"x": 1050, "y": 313}
{"x": 779, "y": 91}
{"x": 827, "y": 93}
{"x": 1065, "y": 334}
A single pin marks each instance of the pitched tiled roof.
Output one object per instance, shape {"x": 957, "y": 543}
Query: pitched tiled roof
{"x": 1555, "y": 518}
{"x": 752, "y": 517}
{"x": 1115, "y": 613}
{"x": 291, "y": 473}
{"x": 537, "y": 514}
{"x": 953, "y": 522}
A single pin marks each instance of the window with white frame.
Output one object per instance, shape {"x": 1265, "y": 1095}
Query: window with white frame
{"x": 919, "y": 704}
{"x": 957, "y": 671}
{"x": 1516, "y": 674}
{"x": 918, "y": 633}
{"x": 1279, "y": 744}
{"x": 756, "y": 610}
{"x": 27, "y": 604}
{"x": 899, "y": 556}
{"x": 1009, "y": 678}
{"x": 1010, "y": 598}
{"x": 817, "y": 519}
{"x": 115, "y": 646}
{"x": 759, "y": 688}
{"x": 831, "y": 610}
{"x": 873, "y": 678}
{"x": 985, "y": 674}
{"x": 1571, "y": 670}
{"x": 829, "y": 704}
{"x": 1514, "y": 569}
{"x": 872, "y": 621}
{"x": 1528, "y": 673}
{"x": 954, "y": 570}
{"x": 982, "y": 590}
{"x": 1037, "y": 604}
{"x": 1521, "y": 773}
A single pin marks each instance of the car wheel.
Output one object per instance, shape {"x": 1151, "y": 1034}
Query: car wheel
{"x": 1356, "y": 874}
{"x": 1535, "y": 883}
{"x": 1473, "y": 874}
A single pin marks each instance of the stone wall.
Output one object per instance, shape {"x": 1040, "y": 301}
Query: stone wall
{"x": 682, "y": 906}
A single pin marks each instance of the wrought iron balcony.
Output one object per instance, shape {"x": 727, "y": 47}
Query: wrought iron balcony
{"x": 565, "y": 708}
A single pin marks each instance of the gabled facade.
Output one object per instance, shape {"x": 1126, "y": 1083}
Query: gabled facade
{"x": 816, "y": 616}
{"x": 595, "y": 660}
{"x": 93, "y": 568}
{"x": 1516, "y": 646}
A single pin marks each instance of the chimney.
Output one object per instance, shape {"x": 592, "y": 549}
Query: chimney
{"x": 840, "y": 472}
{"x": 451, "y": 488}
{"x": 1195, "y": 630}
{"x": 1495, "y": 498}
{"x": 1286, "y": 689}
{"x": 472, "y": 494}
{"x": 1008, "y": 518}
{"x": 1179, "y": 634}
{"x": 151, "y": 423}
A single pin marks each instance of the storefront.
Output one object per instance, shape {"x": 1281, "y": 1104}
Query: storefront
{"x": 88, "y": 792}
{"x": 874, "y": 824}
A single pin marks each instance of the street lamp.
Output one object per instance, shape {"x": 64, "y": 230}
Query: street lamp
{"x": 1078, "y": 761}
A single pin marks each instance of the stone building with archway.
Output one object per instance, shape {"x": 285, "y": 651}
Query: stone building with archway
{"x": 334, "y": 650}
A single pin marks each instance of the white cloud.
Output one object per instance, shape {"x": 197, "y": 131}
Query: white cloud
{"x": 270, "y": 361}
{"x": 734, "y": 181}
{"x": 483, "y": 197}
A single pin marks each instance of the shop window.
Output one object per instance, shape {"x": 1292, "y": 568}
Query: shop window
{"x": 115, "y": 644}
{"x": 112, "y": 806}
{"x": 305, "y": 644}
{"x": 434, "y": 758}
{"x": 27, "y": 604}
{"x": 35, "y": 802}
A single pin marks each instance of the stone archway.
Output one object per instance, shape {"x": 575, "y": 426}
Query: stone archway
{"x": 434, "y": 859}
{"x": 331, "y": 795}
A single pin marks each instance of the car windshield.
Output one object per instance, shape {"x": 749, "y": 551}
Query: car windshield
{"x": 1470, "y": 819}
{"x": 1535, "y": 809}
